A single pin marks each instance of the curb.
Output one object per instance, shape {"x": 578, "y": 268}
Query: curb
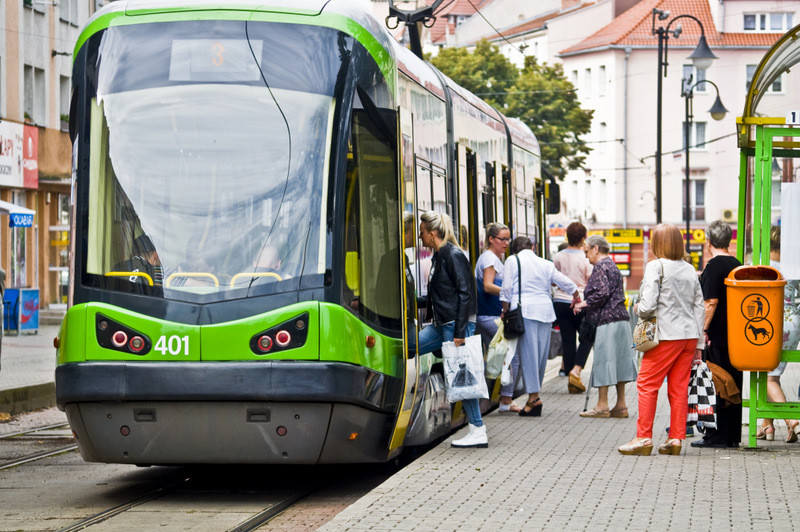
{"x": 27, "y": 398}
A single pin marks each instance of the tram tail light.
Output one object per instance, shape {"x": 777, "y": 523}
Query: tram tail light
{"x": 283, "y": 338}
{"x": 265, "y": 343}
{"x": 136, "y": 344}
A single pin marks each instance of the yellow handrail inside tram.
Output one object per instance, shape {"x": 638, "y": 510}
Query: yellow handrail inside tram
{"x": 131, "y": 274}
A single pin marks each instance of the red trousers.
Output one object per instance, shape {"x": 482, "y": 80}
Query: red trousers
{"x": 671, "y": 359}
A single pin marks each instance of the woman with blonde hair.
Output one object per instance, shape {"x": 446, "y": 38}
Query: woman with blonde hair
{"x": 452, "y": 304}
{"x": 670, "y": 291}
{"x": 489, "y": 275}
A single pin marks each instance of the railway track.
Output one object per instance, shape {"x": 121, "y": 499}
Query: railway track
{"x": 45, "y": 439}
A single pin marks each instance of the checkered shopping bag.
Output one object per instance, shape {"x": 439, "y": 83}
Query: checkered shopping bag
{"x": 702, "y": 397}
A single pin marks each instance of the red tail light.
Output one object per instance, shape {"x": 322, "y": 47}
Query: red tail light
{"x": 119, "y": 338}
{"x": 265, "y": 343}
{"x": 136, "y": 344}
{"x": 283, "y": 338}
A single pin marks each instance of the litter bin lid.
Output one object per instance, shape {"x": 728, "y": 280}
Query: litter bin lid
{"x": 752, "y": 276}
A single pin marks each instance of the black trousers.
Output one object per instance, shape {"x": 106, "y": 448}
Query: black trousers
{"x": 729, "y": 418}
{"x": 569, "y": 323}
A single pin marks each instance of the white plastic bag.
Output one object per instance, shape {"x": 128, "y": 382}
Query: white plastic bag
{"x": 505, "y": 376}
{"x": 496, "y": 354}
{"x": 463, "y": 370}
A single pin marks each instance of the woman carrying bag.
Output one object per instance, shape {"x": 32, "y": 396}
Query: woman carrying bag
{"x": 527, "y": 284}
{"x": 452, "y": 303}
{"x": 671, "y": 292}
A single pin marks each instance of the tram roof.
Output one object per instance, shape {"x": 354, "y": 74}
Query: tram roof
{"x": 782, "y": 56}
{"x": 390, "y": 55}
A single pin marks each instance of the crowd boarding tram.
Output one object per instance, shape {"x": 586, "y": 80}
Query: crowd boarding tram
{"x": 240, "y": 179}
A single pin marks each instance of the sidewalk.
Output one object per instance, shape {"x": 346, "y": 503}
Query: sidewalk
{"x": 562, "y": 472}
{"x": 27, "y": 371}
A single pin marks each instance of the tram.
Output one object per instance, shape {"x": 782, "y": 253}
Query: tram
{"x": 241, "y": 175}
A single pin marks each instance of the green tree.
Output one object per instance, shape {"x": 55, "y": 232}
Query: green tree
{"x": 546, "y": 101}
{"x": 485, "y": 72}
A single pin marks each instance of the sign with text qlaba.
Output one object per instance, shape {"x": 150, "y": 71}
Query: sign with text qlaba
{"x": 20, "y": 220}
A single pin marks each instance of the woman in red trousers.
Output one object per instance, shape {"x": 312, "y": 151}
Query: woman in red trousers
{"x": 670, "y": 291}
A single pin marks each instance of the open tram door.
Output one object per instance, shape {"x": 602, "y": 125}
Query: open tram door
{"x": 408, "y": 220}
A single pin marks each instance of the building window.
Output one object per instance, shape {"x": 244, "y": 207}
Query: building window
{"x": 35, "y": 92}
{"x": 587, "y": 82}
{"x": 601, "y": 81}
{"x": 68, "y": 11}
{"x": 697, "y": 208}
{"x": 64, "y": 97}
{"x": 697, "y": 134}
{"x": 775, "y": 87}
{"x": 691, "y": 75}
{"x": 574, "y": 78}
{"x": 768, "y": 22}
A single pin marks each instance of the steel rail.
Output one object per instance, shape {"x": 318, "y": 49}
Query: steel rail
{"x": 272, "y": 512}
{"x": 29, "y": 431}
{"x": 37, "y": 456}
{"x": 116, "y": 510}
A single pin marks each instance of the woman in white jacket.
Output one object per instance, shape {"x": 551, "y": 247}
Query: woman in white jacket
{"x": 537, "y": 276}
{"x": 671, "y": 291}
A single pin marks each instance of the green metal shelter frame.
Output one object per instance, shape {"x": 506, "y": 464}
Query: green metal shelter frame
{"x": 760, "y": 139}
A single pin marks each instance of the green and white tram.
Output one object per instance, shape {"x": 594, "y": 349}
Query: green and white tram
{"x": 241, "y": 173}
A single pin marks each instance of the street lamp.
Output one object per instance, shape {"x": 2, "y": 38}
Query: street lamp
{"x": 701, "y": 59}
{"x": 717, "y": 112}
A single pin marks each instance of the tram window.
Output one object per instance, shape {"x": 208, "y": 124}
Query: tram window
{"x": 520, "y": 220}
{"x": 424, "y": 192}
{"x": 372, "y": 274}
{"x": 439, "y": 193}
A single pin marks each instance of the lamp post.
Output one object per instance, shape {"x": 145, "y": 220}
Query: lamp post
{"x": 717, "y": 112}
{"x": 701, "y": 58}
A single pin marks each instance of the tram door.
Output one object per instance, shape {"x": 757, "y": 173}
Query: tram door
{"x": 409, "y": 217}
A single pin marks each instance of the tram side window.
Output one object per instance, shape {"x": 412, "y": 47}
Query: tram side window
{"x": 373, "y": 278}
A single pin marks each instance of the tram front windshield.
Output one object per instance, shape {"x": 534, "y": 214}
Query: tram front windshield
{"x": 209, "y": 158}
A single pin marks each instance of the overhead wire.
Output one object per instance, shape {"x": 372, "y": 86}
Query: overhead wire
{"x": 478, "y": 11}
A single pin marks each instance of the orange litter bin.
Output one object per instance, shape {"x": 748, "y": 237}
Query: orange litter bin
{"x": 755, "y": 317}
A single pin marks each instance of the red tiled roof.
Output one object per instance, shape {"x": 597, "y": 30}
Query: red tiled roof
{"x": 442, "y": 26}
{"x": 634, "y": 28}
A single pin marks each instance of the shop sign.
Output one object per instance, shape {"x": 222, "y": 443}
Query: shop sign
{"x": 627, "y": 236}
{"x": 20, "y": 220}
{"x": 19, "y": 155}
{"x": 30, "y": 157}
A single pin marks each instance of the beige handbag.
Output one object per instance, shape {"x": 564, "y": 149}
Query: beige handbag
{"x": 645, "y": 334}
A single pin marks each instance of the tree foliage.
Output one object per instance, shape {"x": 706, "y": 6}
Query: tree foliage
{"x": 539, "y": 95}
{"x": 485, "y": 72}
{"x": 546, "y": 101}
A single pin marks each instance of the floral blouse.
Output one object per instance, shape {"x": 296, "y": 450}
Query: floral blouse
{"x": 604, "y": 295}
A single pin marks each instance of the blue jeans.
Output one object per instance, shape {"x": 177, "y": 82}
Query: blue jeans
{"x": 431, "y": 338}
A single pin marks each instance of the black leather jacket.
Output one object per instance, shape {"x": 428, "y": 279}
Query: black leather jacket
{"x": 451, "y": 289}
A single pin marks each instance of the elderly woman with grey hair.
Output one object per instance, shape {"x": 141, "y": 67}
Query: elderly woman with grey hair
{"x": 604, "y": 300}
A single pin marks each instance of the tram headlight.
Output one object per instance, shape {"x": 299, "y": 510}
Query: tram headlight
{"x": 119, "y": 338}
{"x": 283, "y": 338}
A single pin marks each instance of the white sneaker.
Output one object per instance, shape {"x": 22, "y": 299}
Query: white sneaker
{"x": 476, "y": 437}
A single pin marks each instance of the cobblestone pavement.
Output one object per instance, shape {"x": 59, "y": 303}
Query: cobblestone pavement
{"x": 562, "y": 472}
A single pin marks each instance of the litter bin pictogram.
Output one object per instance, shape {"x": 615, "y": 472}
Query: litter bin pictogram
{"x": 755, "y": 317}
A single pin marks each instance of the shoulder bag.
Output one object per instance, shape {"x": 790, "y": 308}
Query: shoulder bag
{"x": 645, "y": 334}
{"x": 513, "y": 323}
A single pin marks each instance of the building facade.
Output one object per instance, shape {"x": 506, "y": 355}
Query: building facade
{"x": 36, "y": 49}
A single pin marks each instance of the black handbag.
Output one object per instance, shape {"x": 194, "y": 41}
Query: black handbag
{"x": 513, "y": 323}
{"x": 586, "y": 331}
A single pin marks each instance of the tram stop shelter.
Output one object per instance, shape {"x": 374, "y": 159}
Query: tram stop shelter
{"x": 770, "y": 195}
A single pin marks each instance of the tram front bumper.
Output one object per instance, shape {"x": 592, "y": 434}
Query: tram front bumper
{"x": 265, "y": 412}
